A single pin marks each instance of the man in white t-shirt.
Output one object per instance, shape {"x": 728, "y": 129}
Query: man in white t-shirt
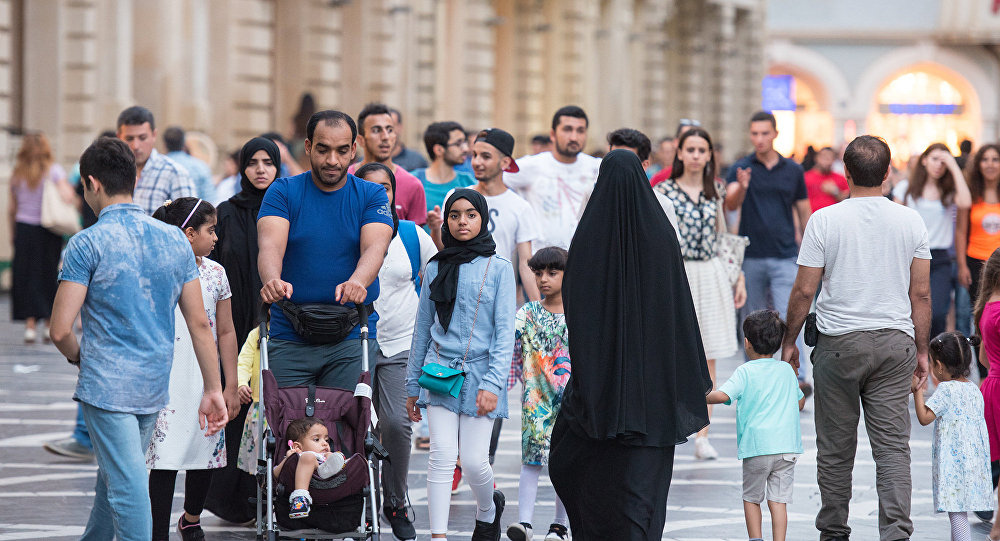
{"x": 873, "y": 318}
{"x": 556, "y": 184}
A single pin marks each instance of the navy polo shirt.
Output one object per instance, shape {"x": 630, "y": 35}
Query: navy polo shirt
{"x": 768, "y": 206}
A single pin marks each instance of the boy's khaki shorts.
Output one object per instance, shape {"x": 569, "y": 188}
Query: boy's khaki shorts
{"x": 777, "y": 472}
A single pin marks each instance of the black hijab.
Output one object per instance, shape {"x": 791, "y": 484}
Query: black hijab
{"x": 639, "y": 370}
{"x": 236, "y": 249}
{"x": 445, "y": 284}
{"x": 249, "y": 195}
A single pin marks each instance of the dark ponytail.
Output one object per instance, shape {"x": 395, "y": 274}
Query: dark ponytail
{"x": 954, "y": 351}
{"x": 180, "y": 210}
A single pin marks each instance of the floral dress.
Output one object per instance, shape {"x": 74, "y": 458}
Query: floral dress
{"x": 178, "y": 443}
{"x": 960, "y": 457}
{"x": 541, "y": 348}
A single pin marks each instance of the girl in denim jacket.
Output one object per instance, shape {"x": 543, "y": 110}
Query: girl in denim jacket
{"x": 465, "y": 321}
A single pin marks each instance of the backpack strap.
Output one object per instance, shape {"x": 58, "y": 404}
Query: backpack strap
{"x": 408, "y": 234}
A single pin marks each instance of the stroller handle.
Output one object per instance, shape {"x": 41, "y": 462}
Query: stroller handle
{"x": 264, "y": 316}
{"x": 362, "y": 313}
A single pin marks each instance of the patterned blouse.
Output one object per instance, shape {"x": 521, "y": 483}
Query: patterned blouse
{"x": 696, "y": 220}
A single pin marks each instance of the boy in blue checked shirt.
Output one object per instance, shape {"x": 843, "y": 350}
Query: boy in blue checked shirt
{"x": 768, "y": 437}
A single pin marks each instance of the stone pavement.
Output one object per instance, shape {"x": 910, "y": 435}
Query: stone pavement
{"x": 48, "y": 497}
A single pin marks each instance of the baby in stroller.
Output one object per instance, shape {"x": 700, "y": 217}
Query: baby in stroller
{"x": 309, "y": 438}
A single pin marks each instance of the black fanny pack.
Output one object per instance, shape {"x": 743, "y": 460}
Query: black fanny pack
{"x": 321, "y": 323}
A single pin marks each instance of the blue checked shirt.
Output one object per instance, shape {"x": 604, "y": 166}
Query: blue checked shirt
{"x": 162, "y": 179}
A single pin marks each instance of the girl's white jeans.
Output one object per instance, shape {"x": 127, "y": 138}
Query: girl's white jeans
{"x": 456, "y": 436}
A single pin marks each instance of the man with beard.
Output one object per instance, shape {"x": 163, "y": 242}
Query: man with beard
{"x": 824, "y": 186}
{"x": 377, "y": 131}
{"x": 447, "y": 146}
{"x": 302, "y": 262}
{"x": 556, "y": 184}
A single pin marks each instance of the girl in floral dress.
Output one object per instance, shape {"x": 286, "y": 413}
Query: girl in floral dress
{"x": 960, "y": 457}
{"x": 541, "y": 355}
{"x": 178, "y": 443}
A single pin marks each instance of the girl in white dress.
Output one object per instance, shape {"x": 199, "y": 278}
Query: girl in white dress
{"x": 178, "y": 442}
{"x": 960, "y": 457}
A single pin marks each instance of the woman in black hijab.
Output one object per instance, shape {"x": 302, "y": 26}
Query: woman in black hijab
{"x": 236, "y": 251}
{"x": 639, "y": 374}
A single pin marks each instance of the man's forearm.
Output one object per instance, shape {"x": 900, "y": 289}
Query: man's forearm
{"x": 369, "y": 264}
{"x": 798, "y": 308}
{"x": 269, "y": 266}
{"x": 528, "y": 281}
{"x": 921, "y": 316}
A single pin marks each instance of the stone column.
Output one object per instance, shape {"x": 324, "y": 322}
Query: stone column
{"x": 7, "y": 81}
{"x": 114, "y": 63}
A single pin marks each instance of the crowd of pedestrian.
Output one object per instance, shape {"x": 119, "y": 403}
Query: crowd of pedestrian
{"x": 607, "y": 288}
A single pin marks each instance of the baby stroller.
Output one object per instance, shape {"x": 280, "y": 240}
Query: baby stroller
{"x": 344, "y": 506}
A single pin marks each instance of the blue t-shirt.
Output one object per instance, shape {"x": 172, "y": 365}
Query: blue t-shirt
{"x": 767, "y": 396}
{"x": 766, "y": 217}
{"x": 434, "y": 193}
{"x": 324, "y": 240}
{"x": 134, "y": 268}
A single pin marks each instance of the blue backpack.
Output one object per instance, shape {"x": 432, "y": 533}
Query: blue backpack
{"x": 408, "y": 234}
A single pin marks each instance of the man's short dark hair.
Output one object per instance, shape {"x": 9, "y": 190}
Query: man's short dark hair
{"x": 764, "y": 116}
{"x": 438, "y": 133}
{"x": 136, "y": 115}
{"x": 569, "y": 110}
{"x": 634, "y": 139}
{"x": 274, "y": 137}
{"x": 541, "y": 139}
{"x": 372, "y": 109}
{"x": 764, "y": 329}
{"x": 965, "y": 146}
{"x": 109, "y": 160}
{"x": 395, "y": 112}
{"x": 867, "y": 160}
{"x": 330, "y": 118}
{"x": 827, "y": 148}
{"x": 173, "y": 138}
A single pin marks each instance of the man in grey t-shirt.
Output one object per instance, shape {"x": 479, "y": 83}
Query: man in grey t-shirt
{"x": 873, "y": 317}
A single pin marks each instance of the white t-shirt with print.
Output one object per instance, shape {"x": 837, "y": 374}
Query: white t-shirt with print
{"x": 397, "y": 302}
{"x": 865, "y": 246}
{"x": 556, "y": 191}
{"x": 512, "y": 221}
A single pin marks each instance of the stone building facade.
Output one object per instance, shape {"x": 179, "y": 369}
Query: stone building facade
{"x": 235, "y": 68}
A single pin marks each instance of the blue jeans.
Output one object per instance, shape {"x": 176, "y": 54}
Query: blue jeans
{"x": 963, "y": 304}
{"x": 121, "y": 503}
{"x": 769, "y": 282}
{"x": 80, "y": 433}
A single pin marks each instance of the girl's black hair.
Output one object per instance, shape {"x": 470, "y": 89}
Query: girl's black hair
{"x": 176, "y": 211}
{"x": 954, "y": 351}
{"x": 549, "y": 258}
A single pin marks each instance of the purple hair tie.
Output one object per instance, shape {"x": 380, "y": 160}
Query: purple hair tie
{"x": 191, "y": 214}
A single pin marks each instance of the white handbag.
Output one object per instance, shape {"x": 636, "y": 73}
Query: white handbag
{"x": 58, "y": 216}
{"x": 729, "y": 247}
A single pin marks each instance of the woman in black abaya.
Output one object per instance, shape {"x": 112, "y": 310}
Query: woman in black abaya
{"x": 236, "y": 251}
{"x": 639, "y": 374}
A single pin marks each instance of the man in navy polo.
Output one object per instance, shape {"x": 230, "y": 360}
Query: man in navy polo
{"x": 769, "y": 188}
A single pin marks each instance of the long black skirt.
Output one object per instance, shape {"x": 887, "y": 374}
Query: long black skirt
{"x": 611, "y": 491}
{"x": 34, "y": 271}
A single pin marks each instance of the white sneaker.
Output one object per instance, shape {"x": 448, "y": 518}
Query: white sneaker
{"x": 704, "y": 450}
{"x": 30, "y": 336}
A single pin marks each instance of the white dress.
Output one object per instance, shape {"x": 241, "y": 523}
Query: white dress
{"x": 960, "y": 457}
{"x": 178, "y": 443}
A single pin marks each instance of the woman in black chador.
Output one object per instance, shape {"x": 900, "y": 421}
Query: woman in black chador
{"x": 639, "y": 374}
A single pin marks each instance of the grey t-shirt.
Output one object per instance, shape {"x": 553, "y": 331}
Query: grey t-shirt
{"x": 865, "y": 246}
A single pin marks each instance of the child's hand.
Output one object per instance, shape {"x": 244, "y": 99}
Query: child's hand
{"x": 916, "y": 385}
{"x": 246, "y": 395}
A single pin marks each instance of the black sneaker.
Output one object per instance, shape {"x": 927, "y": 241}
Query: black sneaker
{"x": 190, "y": 532}
{"x": 519, "y": 531}
{"x": 490, "y": 531}
{"x": 557, "y": 531}
{"x": 985, "y": 516}
{"x": 402, "y": 528}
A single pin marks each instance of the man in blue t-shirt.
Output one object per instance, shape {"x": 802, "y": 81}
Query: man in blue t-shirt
{"x": 768, "y": 188}
{"x": 127, "y": 273}
{"x": 322, "y": 235}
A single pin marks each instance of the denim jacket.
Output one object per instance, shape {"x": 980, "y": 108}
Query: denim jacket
{"x": 492, "y": 344}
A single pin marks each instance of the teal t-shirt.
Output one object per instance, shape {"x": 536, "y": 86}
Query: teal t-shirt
{"x": 767, "y": 396}
{"x": 435, "y": 192}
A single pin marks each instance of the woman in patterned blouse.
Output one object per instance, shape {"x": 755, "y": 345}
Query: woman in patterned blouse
{"x": 697, "y": 197}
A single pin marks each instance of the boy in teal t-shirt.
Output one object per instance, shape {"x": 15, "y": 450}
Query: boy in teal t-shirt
{"x": 768, "y": 436}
